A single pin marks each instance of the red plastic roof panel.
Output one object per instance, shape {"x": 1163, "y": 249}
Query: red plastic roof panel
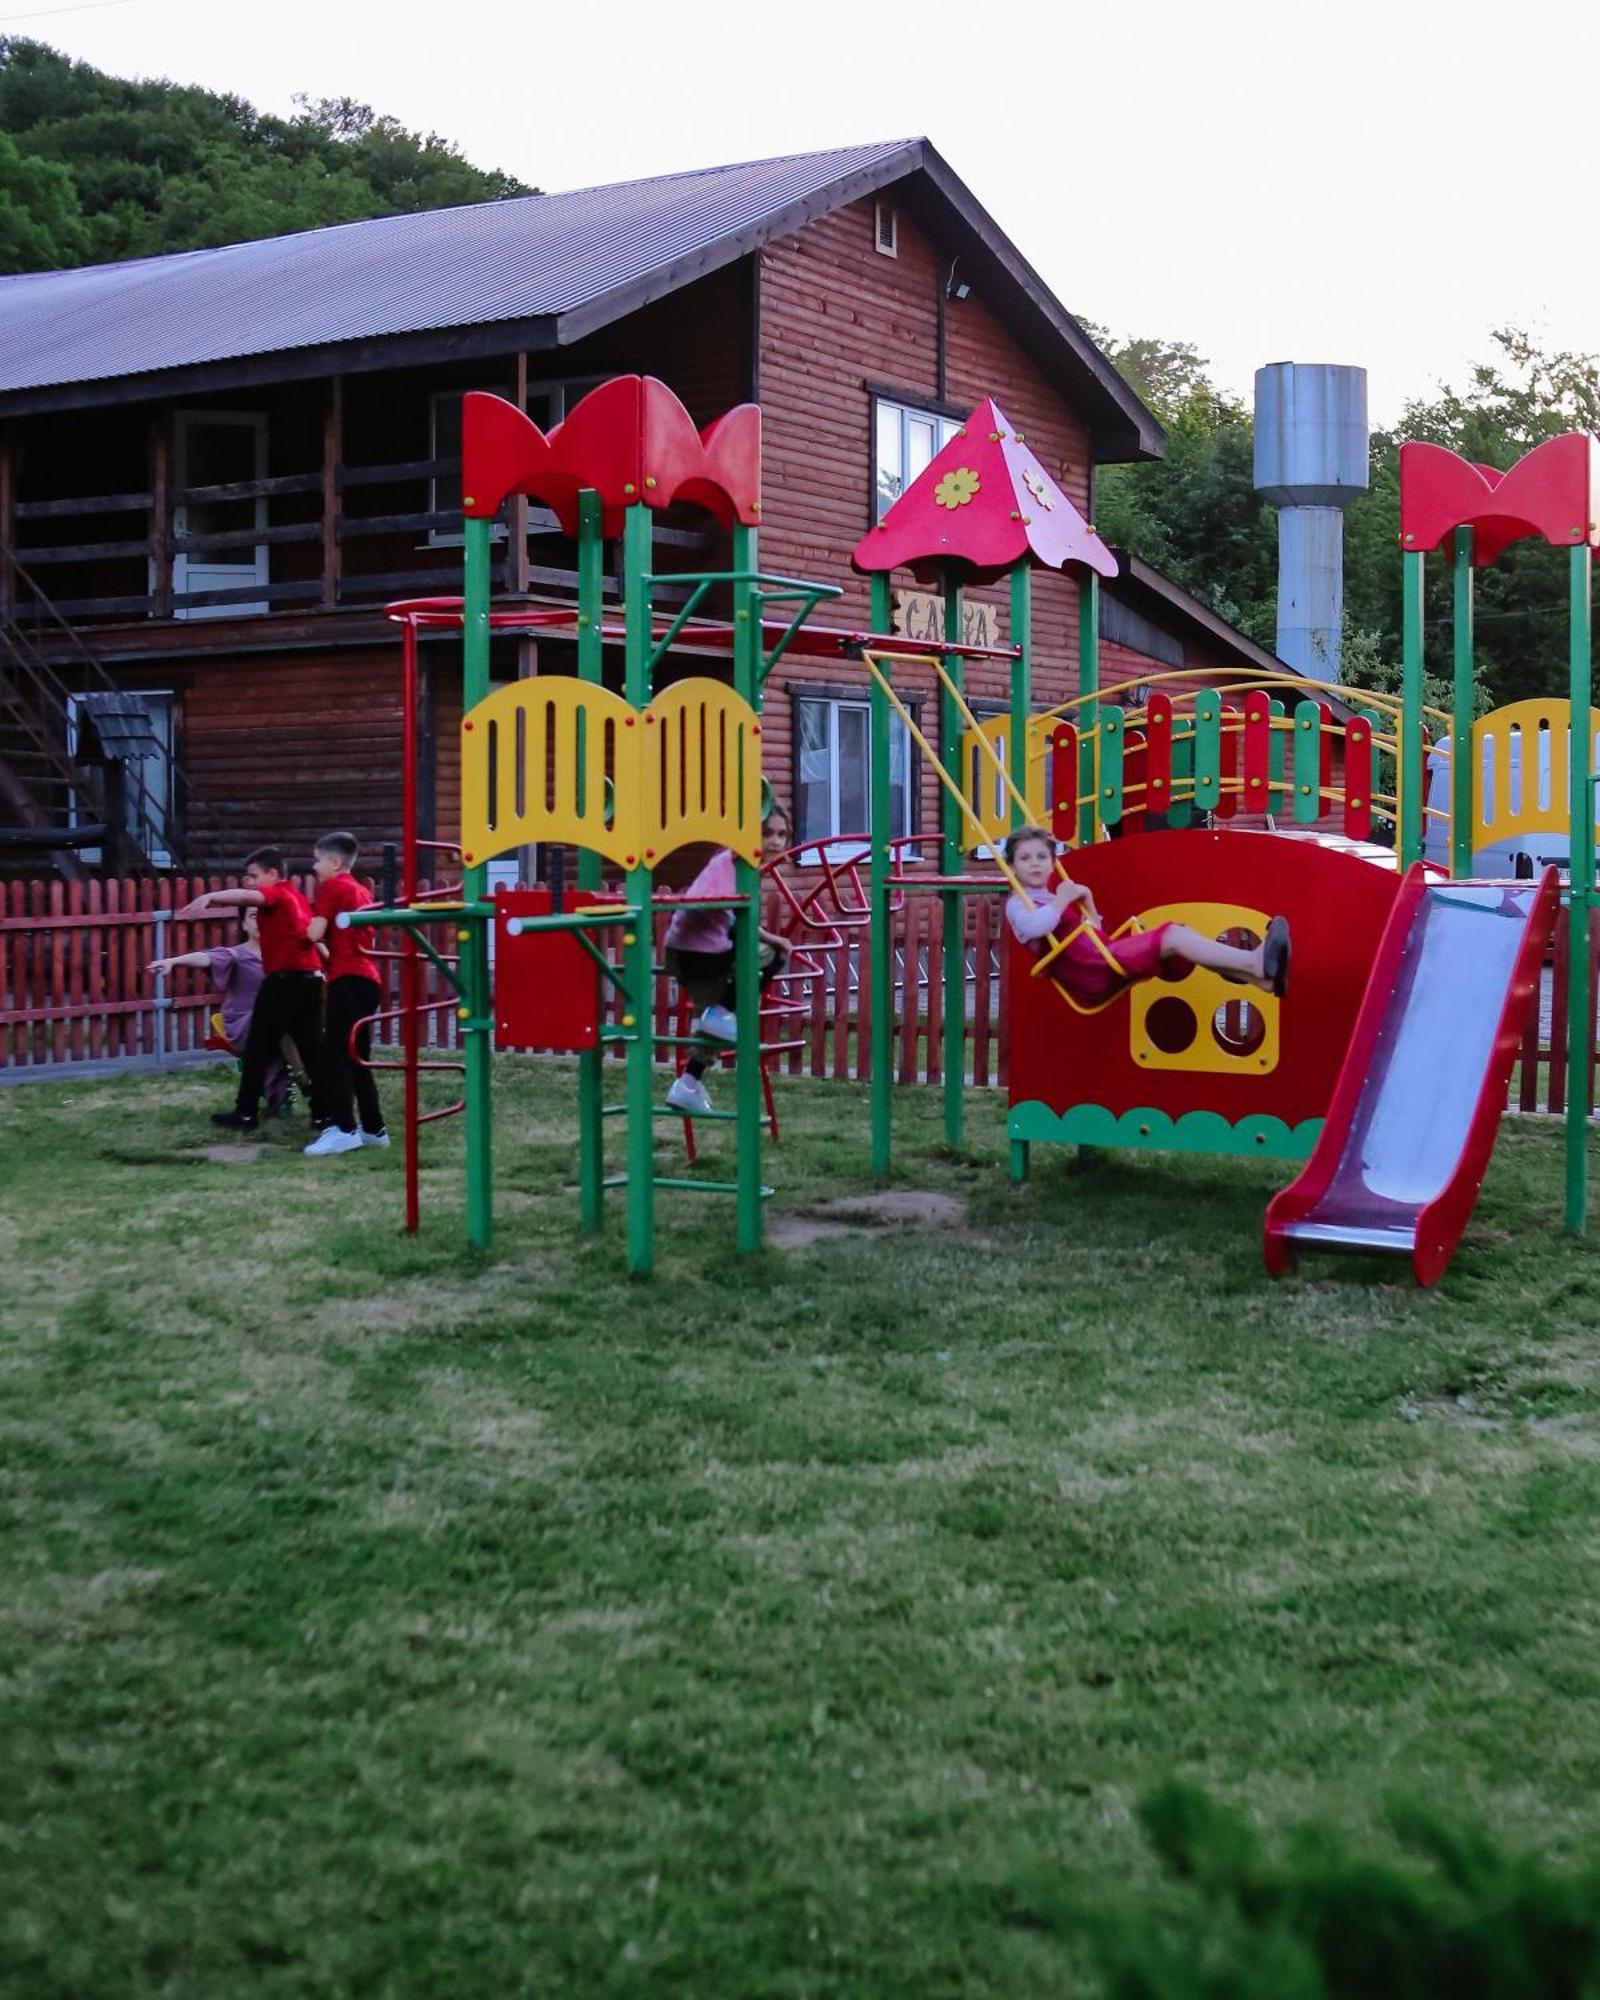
{"x": 1553, "y": 491}
{"x": 630, "y": 439}
{"x": 986, "y": 501}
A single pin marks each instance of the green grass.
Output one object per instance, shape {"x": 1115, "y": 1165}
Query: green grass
{"x": 382, "y": 1622}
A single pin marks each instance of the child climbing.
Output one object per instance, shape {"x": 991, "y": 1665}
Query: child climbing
{"x": 1093, "y": 968}
{"x": 699, "y": 955}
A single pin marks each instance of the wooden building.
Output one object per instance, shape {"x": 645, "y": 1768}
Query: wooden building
{"x": 215, "y": 469}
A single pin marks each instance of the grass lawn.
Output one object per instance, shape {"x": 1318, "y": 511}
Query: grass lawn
{"x": 382, "y": 1622}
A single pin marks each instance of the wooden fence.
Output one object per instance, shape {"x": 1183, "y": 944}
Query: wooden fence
{"x": 74, "y": 990}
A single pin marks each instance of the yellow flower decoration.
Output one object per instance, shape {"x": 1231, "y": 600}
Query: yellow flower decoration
{"x": 1035, "y": 483}
{"x": 956, "y": 488}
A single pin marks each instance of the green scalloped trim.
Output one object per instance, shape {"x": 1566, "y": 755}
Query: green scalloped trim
{"x": 1157, "y": 1131}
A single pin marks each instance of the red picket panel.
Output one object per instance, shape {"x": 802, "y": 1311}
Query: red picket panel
{"x": 1257, "y": 797}
{"x": 982, "y": 945}
{"x": 1358, "y": 779}
{"x": 1064, "y": 782}
{"x": 1158, "y": 754}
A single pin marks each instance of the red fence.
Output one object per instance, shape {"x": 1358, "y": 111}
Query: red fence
{"x": 74, "y": 990}
{"x": 74, "y": 987}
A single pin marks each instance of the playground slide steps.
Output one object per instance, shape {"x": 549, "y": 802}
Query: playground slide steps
{"x": 1414, "y": 1114}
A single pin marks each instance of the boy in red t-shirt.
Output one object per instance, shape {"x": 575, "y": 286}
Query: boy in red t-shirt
{"x": 355, "y": 989}
{"x": 290, "y": 1000}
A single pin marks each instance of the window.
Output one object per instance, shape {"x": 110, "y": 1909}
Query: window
{"x": 833, "y": 772}
{"x": 905, "y": 441}
{"x": 885, "y": 230}
{"x": 547, "y": 404}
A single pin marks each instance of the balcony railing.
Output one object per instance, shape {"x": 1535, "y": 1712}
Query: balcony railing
{"x": 351, "y": 558}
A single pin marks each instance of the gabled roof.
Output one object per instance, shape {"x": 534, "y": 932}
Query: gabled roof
{"x": 538, "y": 271}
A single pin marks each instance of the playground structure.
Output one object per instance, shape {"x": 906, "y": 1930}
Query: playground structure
{"x": 1190, "y": 1061}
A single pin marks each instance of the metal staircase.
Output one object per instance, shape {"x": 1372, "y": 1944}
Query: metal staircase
{"x": 70, "y": 784}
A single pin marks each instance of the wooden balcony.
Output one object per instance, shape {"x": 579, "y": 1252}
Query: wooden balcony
{"x": 345, "y": 539}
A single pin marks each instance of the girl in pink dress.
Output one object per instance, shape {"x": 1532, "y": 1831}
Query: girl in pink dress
{"x": 1094, "y": 969}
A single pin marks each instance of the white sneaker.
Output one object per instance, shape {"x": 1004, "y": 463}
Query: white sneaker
{"x": 373, "y": 1138}
{"x": 689, "y": 1094}
{"x": 333, "y": 1141}
{"x": 721, "y": 1023}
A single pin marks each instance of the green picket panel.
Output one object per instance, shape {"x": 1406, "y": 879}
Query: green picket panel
{"x": 1208, "y": 750}
{"x": 1307, "y": 760}
{"x": 1181, "y": 812}
{"x": 1108, "y": 801}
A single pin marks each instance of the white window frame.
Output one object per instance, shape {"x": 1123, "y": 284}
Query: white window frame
{"x": 904, "y": 428}
{"x": 829, "y": 846}
{"x": 230, "y": 570}
{"x": 561, "y": 395}
{"x": 162, "y": 858}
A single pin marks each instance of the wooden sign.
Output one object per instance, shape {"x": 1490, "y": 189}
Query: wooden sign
{"x": 919, "y": 614}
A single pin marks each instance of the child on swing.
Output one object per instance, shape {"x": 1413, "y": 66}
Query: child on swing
{"x": 1095, "y": 968}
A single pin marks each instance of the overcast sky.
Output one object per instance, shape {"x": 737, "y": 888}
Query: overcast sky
{"x": 1379, "y": 184}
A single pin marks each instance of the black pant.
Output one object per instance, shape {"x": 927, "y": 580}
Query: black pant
{"x": 289, "y": 1003}
{"x": 345, "y": 1083}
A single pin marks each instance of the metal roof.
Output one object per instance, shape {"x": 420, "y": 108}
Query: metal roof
{"x": 533, "y": 271}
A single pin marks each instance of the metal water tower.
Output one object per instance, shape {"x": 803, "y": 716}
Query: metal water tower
{"x": 1311, "y": 462}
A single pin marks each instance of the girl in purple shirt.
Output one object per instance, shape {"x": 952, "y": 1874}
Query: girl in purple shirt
{"x": 699, "y": 955}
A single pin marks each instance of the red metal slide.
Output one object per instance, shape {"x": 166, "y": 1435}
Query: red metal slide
{"x": 1412, "y": 1123}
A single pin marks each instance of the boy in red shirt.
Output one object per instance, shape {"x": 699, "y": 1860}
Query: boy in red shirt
{"x": 355, "y": 989}
{"x": 290, "y": 1000}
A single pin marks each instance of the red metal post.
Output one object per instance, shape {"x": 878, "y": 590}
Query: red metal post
{"x": 411, "y": 960}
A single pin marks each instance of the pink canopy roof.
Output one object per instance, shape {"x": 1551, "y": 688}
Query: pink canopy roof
{"x": 985, "y": 501}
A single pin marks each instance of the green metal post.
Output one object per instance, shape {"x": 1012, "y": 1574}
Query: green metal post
{"x": 591, "y": 1062}
{"x": 952, "y": 850}
{"x": 638, "y": 957}
{"x": 880, "y": 945}
{"x": 1461, "y": 772}
{"x": 473, "y": 936}
{"x": 1088, "y": 684}
{"x": 1408, "y": 831}
{"x": 1580, "y": 1001}
{"x": 746, "y": 934}
{"x": 1021, "y": 683}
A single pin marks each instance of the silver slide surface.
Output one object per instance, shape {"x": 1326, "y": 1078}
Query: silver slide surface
{"x": 1408, "y": 1135}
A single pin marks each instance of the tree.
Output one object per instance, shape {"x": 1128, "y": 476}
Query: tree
{"x": 101, "y": 167}
{"x": 1195, "y": 515}
{"x": 41, "y": 226}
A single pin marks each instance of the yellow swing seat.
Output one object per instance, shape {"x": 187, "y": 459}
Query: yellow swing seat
{"x": 1129, "y": 929}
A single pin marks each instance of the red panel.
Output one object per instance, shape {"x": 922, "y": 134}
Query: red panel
{"x": 1064, "y": 783}
{"x": 1358, "y": 779}
{"x": 1158, "y": 755}
{"x": 1129, "y": 809}
{"x": 985, "y": 500}
{"x": 546, "y": 986}
{"x": 630, "y": 439}
{"x": 1257, "y": 794}
{"x": 1553, "y": 491}
{"x": 1228, "y": 764}
{"x": 1336, "y": 903}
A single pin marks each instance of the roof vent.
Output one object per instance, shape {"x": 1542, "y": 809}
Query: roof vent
{"x": 886, "y": 230}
